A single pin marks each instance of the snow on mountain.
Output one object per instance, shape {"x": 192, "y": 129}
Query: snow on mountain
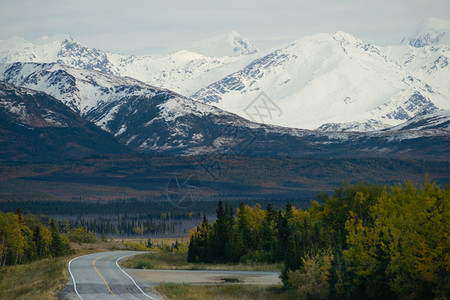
{"x": 370, "y": 125}
{"x": 334, "y": 80}
{"x": 229, "y": 44}
{"x": 439, "y": 120}
{"x": 85, "y": 91}
{"x": 426, "y": 55}
{"x": 430, "y": 31}
{"x": 35, "y": 125}
{"x": 326, "y": 78}
{"x": 149, "y": 119}
{"x": 57, "y": 49}
{"x": 140, "y": 116}
{"x": 22, "y": 106}
{"x": 183, "y": 71}
{"x": 79, "y": 89}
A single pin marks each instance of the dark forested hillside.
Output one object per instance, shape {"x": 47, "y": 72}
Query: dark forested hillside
{"x": 115, "y": 177}
{"x": 35, "y": 126}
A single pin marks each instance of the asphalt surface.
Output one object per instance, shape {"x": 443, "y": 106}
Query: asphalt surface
{"x": 98, "y": 276}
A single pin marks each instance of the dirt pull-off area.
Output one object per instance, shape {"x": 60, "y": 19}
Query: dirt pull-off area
{"x": 152, "y": 277}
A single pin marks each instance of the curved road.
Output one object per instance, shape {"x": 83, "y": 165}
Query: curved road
{"x": 99, "y": 276}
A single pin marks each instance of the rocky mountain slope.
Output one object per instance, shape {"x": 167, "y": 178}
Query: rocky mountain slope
{"x": 153, "y": 120}
{"x": 141, "y": 116}
{"x": 34, "y": 125}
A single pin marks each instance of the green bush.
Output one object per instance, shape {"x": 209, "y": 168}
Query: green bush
{"x": 81, "y": 235}
{"x": 311, "y": 281}
{"x": 136, "y": 246}
{"x": 143, "y": 264}
{"x": 259, "y": 256}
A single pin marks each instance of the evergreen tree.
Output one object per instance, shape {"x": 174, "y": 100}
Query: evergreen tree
{"x": 57, "y": 246}
{"x": 37, "y": 240}
{"x": 238, "y": 245}
{"x": 283, "y": 233}
{"x": 360, "y": 243}
{"x": 220, "y": 235}
{"x": 268, "y": 234}
{"x": 229, "y": 220}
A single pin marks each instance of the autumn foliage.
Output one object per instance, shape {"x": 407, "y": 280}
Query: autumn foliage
{"x": 27, "y": 238}
{"x": 360, "y": 242}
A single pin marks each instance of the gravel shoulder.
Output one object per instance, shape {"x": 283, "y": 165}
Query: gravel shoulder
{"x": 155, "y": 277}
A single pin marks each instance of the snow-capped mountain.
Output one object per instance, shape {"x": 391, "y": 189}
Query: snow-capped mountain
{"x": 334, "y": 82}
{"x": 184, "y": 71}
{"x": 426, "y": 55}
{"x": 79, "y": 89}
{"x": 229, "y": 44}
{"x": 439, "y": 120}
{"x": 327, "y": 78}
{"x": 35, "y": 125}
{"x": 149, "y": 119}
{"x": 140, "y": 116}
{"x": 430, "y": 32}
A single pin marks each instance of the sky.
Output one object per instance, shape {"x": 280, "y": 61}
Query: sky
{"x": 149, "y": 27}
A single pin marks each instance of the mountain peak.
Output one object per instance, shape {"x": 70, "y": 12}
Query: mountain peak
{"x": 430, "y": 31}
{"x": 345, "y": 38}
{"x": 228, "y": 44}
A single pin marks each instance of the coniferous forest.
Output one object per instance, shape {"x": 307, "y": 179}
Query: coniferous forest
{"x": 360, "y": 242}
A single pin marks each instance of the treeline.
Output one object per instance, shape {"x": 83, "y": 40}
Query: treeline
{"x": 27, "y": 238}
{"x": 148, "y": 209}
{"x": 361, "y": 242}
{"x": 123, "y": 225}
{"x": 125, "y": 218}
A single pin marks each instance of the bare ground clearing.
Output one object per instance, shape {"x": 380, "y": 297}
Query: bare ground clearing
{"x": 155, "y": 277}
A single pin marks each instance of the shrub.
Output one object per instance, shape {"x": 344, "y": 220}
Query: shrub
{"x": 311, "y": 281}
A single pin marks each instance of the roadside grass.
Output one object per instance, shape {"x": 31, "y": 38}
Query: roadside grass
{"x": 178, "y": 261}
{"x": 36, "y": 280}
{"x": 173, "y": 291}
{"x": 46, "y": 278}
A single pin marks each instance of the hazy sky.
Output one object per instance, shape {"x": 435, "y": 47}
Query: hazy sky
{"x": 147, "y": 26}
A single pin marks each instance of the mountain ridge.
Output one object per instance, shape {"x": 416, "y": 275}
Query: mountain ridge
{"x": 430, "y": 31}
{"x": 150, "y": 120}
{"x": 348, "y": 81}
{"x": 183, "y": 71}
{"x": 328, "y": 78}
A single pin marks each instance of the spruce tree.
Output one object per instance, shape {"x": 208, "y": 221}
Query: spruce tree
{"x": 57, "y": 245}
{"x": 220, "y": 238}
{"x": 37, "y": 240}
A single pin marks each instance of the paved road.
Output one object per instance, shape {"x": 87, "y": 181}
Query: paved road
{"x": 98, "y": 276}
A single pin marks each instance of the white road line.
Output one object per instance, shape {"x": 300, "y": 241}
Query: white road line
{"x": 117, "y": 264}
{"x": 73, "y": 279}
